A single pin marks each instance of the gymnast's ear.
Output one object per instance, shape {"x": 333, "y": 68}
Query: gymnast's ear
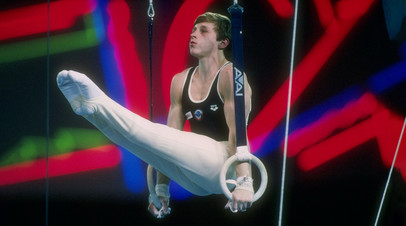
{"x": 224, "y": 43}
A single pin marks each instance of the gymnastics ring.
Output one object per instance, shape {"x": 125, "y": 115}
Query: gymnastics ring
{"x": 262, "y": 170}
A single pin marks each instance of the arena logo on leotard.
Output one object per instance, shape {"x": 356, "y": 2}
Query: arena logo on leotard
{"x": 214, "y": 107}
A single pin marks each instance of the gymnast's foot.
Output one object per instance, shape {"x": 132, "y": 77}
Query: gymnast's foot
{"x": 78, "y": 88}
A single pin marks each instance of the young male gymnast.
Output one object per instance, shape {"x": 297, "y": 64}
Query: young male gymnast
{"x": 204, "y": 96}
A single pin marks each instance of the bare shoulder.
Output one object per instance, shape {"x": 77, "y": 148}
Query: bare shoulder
{"x": 178, "y": 81}
{"x": 177, "y": 85}
{"x": 179, "y": 78}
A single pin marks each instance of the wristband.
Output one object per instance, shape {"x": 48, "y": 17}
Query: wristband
{"x": 243, "y": 154}
{"x": 244, "y": 183}
{"x": 162, "y": 190}
{"x": 154, "y": 199}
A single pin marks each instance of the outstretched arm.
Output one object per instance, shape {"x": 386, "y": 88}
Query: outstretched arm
{"x": 162, "y": 197}
{"x": 177, "y": 121}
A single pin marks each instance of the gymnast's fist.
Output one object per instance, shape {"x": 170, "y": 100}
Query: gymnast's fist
{"x": 162, "y": 211}
{"x": 243, "y": 195}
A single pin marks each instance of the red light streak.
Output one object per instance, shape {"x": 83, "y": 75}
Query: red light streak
{"x": 340, "y": 143}
{"x": 387, "y": 136}
{"x": 125, "y": 52}
{"x": 352, "y": 9}
{"x": 325, "y": 11}
{"x": 333, "y": 120}
{"x": 75, "y": 162}
{"x": 33, "y": 19}
{"x": 382, "y": 125}
{"x": 283, "y": 8}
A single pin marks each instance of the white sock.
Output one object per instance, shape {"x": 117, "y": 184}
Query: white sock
{"x": 77, "y": 88}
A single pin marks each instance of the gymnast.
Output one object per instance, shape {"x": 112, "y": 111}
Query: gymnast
{"x": 203, "y": 95}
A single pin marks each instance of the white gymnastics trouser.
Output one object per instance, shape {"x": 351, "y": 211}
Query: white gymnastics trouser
{"x": 194, "y": 161}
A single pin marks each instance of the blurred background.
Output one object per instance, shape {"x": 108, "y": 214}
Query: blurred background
{"x": 348, "y": 108}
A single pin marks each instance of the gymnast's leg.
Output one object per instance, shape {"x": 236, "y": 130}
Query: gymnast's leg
{"x": 192, "y": 160}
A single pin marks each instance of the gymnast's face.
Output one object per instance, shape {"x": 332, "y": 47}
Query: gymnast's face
{"x": 203, "y": 40}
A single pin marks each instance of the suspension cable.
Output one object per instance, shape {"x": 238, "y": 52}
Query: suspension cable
{"x": 151, "y": 14}
{"x": 390, "y": 174}
{"x": 285, "y": 149}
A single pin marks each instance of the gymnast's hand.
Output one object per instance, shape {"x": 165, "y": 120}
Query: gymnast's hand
{"x": 243, "y": 195}
{"x": 159, "y": 202}
{"x": 161, "y": 210}
{"x": 242, "y": 200}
